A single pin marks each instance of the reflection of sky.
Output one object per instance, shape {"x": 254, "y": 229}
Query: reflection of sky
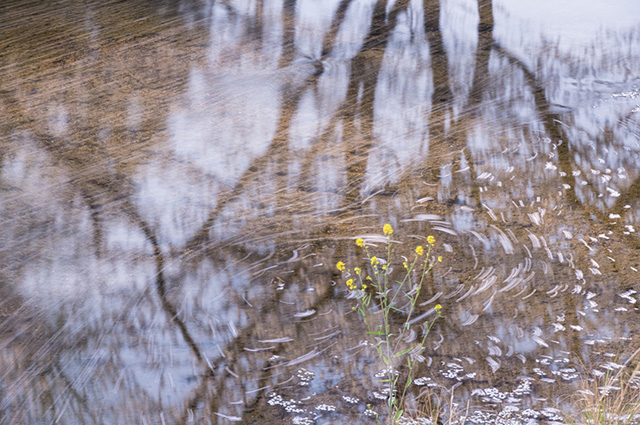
{"x": 458, "y": 23}
{"x": 228, "y": 121}
{"x": 313, "y": 20}
{"x": 573, "y": 21}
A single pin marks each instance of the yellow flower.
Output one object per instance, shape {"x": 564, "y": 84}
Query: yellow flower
{"x": 437, "y": 308}
{"x": 357, "y": 270}
{"x": 387, "y": 229}
{"x": 364, "y": 286}
{"x": 439, "y": 258}
{"x": 340, "y": 266}
{"x": 419, "y": 250}
{"x": 360, "y": 242}
{"x": 350, "y": 283}
{"x": 431, "y": 239}
{"x": 374, "y": 261}
{"x": 384, "y": 267}
{"x": 404, "y": 263}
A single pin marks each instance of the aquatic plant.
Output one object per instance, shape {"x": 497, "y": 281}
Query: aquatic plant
{"x": 609, "y": 398}
{"x": 379, "y": 294}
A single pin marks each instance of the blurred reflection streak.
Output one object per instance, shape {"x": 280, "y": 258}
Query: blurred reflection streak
{"x": 312, "y": 21}
{"x": 365, "y": 73}
{"x": 402, "y": 101}
{"x": 450, "y": 121}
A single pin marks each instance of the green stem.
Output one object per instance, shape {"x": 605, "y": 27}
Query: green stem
{"x": 425, "y": 271}
{"x": 409, "y": 270}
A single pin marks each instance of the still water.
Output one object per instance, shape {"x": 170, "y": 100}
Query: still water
{"x": 179, "y": 178}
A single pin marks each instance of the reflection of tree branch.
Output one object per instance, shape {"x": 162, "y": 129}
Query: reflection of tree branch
{"x": 278, "y": 147}
{"x": 363, "y": 72}
{"x": 236, "y": 354}
{"x": 442, "y": 94}
{"x": 111, "y": 184}
{"x": 483, "y": 51}
{"x": 338, "y": 18}
{"x": 363, "y": 79}
{"x": 288, "y": 39}
{"x": 82, "y": 400}
{"x": 631, "y": 194}
{"x": 160, "y": 281}
{"x": 554, "y": 129}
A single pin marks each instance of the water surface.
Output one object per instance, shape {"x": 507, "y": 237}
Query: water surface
{"x": 178, "y": 180}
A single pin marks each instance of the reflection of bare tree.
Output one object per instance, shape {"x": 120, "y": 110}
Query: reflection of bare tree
{"x": 439, "y": 61}
{"x": 456, "y": 137}
{"x": 103, "y": 164}
{"x": 481, "y": 75}
{"x": 364, "y": 70}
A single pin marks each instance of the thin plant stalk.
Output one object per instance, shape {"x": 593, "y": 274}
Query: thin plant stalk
{"x": 385, "y": 337}
{"x": 599, "y": 406}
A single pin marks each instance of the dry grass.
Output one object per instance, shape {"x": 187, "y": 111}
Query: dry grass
{"x": 609, "y": 399}
{"x": 435, "y": 406}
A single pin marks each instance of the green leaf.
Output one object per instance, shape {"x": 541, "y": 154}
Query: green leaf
{"x": 398, "y": 414}
{"x": 385, "y": 360}
{"x": 375, "y": 333}
{"x": 398, "y": 354}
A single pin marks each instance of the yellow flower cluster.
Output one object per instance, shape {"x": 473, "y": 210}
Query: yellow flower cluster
{"x": 376, "y": 263}
{"x": 353, "y": 286}
{"x": 437, "y": 308}
{"x": 350, "y": 284}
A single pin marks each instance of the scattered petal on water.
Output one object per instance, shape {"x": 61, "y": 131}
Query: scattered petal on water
{"x": 326, "y": 408}
{"x": 350, "y": 400}
{"x": 229, "y": 418}
{"x": 276, "y": 340}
